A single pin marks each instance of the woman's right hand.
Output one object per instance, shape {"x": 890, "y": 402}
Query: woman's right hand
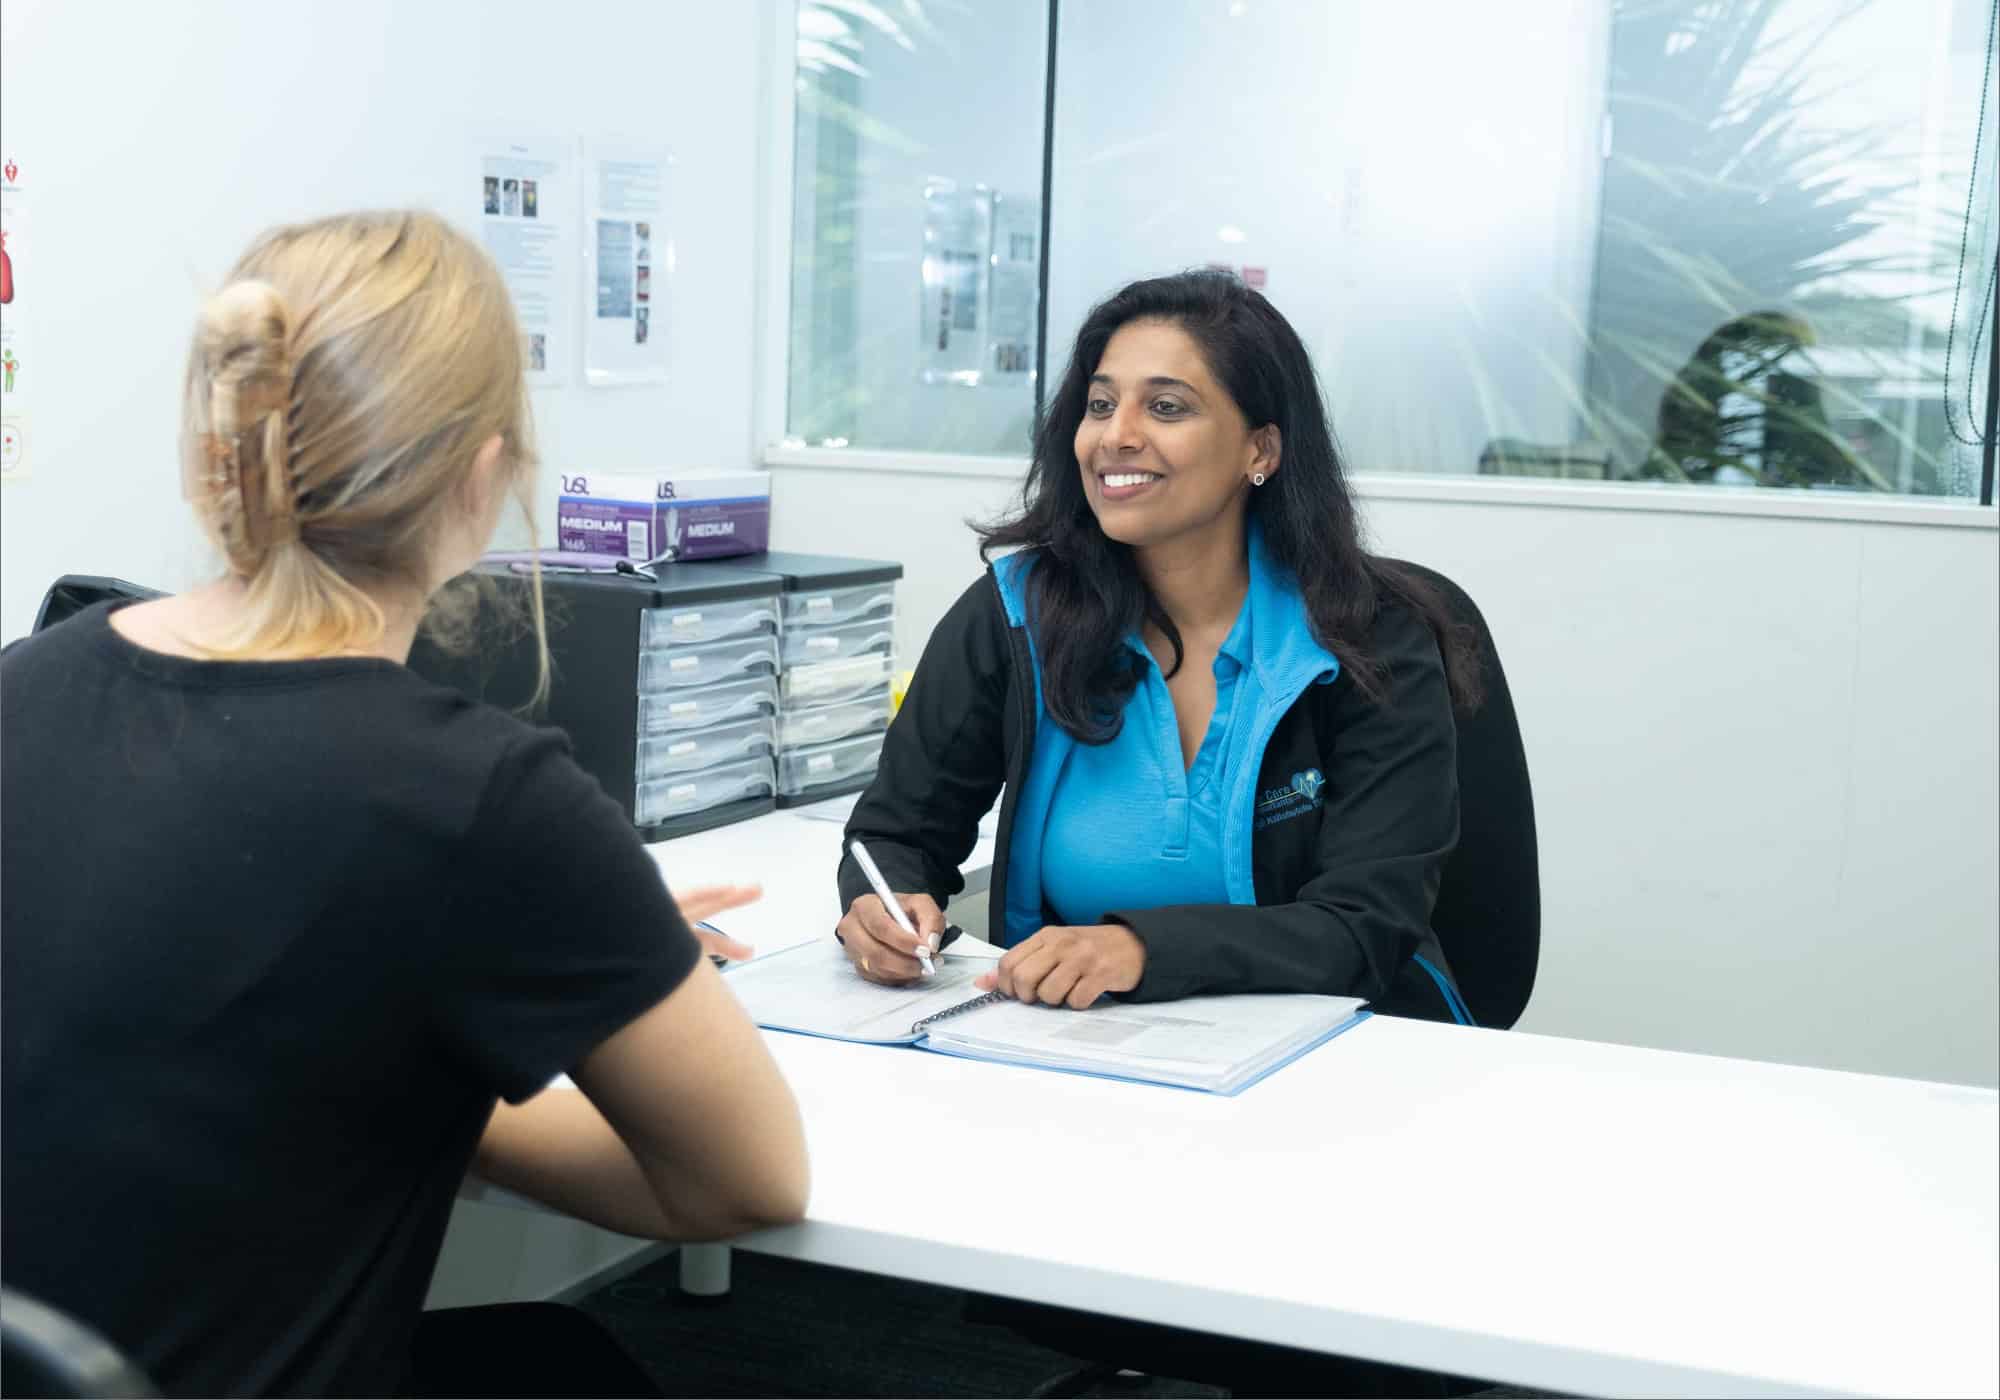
{"x": 878, "y": 948}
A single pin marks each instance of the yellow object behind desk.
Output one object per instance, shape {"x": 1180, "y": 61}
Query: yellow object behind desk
{"x": 898, "y": 686}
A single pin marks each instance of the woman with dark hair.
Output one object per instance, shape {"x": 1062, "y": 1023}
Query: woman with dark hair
{"x": 1224, "y": 730}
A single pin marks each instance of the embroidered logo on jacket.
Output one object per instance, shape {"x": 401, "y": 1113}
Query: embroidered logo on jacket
{"x": 1301, "y": 795}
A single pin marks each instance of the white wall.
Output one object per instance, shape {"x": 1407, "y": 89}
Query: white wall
{"x": 1766, "y": 769}
{"x": 160, "y": 138}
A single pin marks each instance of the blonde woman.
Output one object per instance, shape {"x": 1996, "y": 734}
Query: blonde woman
{"x": 283, "y": 921}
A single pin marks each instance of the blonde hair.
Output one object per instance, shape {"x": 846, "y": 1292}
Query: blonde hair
{"x": 339, "y": 389}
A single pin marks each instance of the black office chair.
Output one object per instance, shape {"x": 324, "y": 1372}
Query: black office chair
{"x": 1488, "y": 914}
{"x": 72, "y": 593}
{"x": 1488, "y": 917}
{"x": 45, "y": 1352}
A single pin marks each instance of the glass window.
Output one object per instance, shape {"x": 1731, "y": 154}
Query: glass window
{"x": 916, "y": 246}
{"x": 1718, "y": 242}
{"x": 1784, "y": 190}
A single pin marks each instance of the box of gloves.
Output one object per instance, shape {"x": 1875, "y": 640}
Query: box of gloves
{"x": 665, "y": 519}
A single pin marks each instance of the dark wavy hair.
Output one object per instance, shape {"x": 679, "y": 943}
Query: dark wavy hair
{"x": 1085, "y": 592}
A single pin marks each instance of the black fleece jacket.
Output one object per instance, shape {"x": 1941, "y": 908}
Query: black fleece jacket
{"x": 1345, "y": 874}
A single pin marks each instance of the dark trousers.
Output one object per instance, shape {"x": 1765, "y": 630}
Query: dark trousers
{"x": 520, "y": 1349}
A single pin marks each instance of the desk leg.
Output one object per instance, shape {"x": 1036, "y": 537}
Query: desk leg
{"x": 705, "y": 1270}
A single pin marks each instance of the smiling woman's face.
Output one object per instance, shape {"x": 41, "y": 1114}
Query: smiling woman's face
{"x": 1163, "y": 449}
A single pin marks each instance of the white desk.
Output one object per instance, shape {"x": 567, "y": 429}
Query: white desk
{"x": 1584, "y": 1217}
{"x": 794, "y": 856}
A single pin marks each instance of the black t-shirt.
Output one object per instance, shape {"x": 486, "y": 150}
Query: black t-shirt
{"x": 276, "y": 934}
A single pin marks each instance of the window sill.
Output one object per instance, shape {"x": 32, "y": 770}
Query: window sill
{"x": 899, "y": 463}
{"x": 1677, "y": 500}
{"x": 1485, "y": 490}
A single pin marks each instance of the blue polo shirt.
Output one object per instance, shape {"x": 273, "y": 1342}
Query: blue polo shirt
{"x": 1129, "y": 825}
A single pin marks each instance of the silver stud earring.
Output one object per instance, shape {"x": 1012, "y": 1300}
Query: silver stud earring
{"x": 1257, "y": 479}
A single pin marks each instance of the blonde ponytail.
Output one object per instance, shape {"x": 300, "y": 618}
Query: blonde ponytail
{"x": 339, "y": 388}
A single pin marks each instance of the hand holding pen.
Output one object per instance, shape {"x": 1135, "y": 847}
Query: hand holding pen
{"x": 890, "y": 938}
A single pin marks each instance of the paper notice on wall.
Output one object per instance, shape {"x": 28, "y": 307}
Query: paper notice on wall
{"x": 17, "y": 361}
{"x": 628, "y": 264}
{"x": 1015, "y": 294}
{"x": 951, "y": 328}
{"x": 527, "y": 220}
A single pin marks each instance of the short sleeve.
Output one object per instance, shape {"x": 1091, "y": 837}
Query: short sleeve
{"x": 562, "y": 931}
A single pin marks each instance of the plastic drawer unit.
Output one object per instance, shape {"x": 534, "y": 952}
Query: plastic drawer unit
{"x": 723, "y": 703}
{"x": 694, "y": 749}
{"x": 836, "y": 654}
{"x": 806, "y": 646}
{"x": 831, "y": 682}
{"x": 709, "y": 664}
{"x": 642, "y": 669}
{"x": 822, "y": 770}
{"x": 822, "y": 724}
{"x": 834, "y": 607}
{"x": 684, "y": 796}
{"x": 694, "y": 623}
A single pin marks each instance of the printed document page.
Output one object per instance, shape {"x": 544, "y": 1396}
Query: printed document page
{"x": 1201, "y": 1042}
{"x": 813, "y": 988}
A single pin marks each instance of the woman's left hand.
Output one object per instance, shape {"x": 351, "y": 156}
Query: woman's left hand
{"x": 1069, "y": 966}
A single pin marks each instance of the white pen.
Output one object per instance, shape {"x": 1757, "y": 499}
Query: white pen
{"x": 888, "y": 897}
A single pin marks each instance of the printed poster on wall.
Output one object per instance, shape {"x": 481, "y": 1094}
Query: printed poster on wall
{"x": 1016, "y": 290}
{"x": 17, "y": 274}
{"x": 526, "y": 220}
{"x": 628, "y": 262}
{"x": 958, "y": 239}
